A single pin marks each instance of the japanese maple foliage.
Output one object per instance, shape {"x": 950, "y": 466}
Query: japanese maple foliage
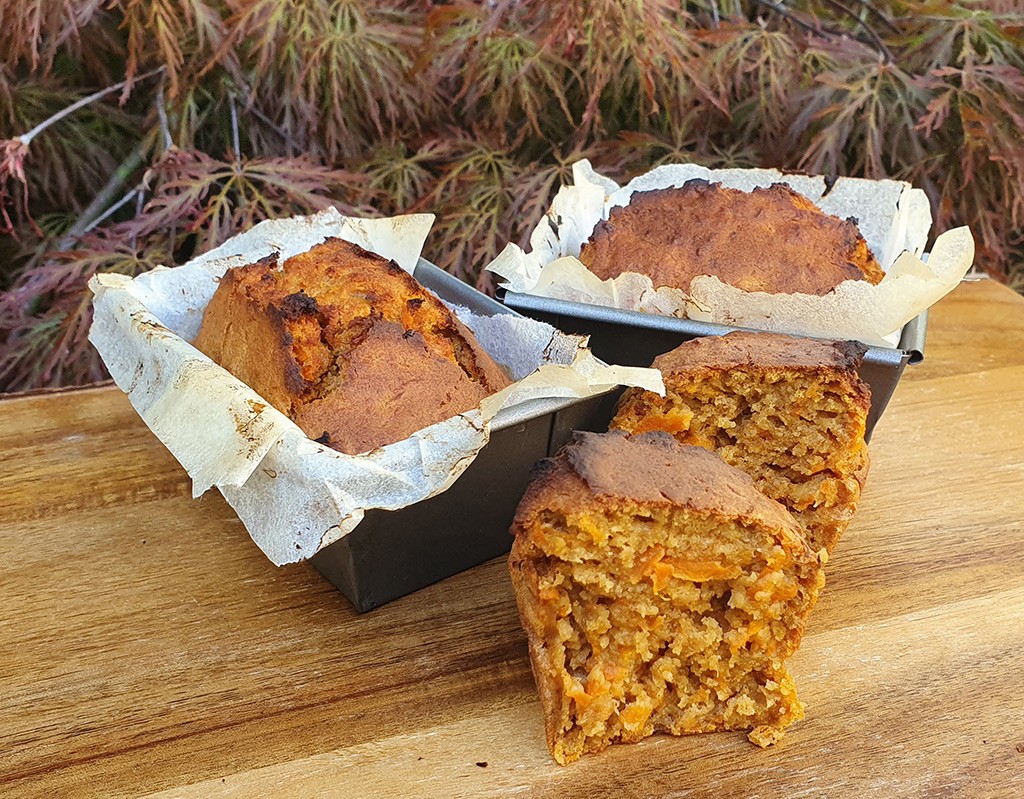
{"x": 135, "y": 133}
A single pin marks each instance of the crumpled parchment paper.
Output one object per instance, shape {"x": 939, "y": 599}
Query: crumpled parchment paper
{"x": 293, "y": 495}
{"x": 893, "y": 217}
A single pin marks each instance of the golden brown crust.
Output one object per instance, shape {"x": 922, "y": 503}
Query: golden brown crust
{"x": 347, "y": 344}
{"x": 771, "y": 239}
{"x": 653, "y": 468}
{"x": 256, "y": 357}
{"x": 789, "y": 411}
{"x": 538, "y": 619}
{"x": 765, "y": 350}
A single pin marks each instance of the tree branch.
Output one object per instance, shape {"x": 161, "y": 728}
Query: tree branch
{"x": 161, "y": 112}
{"x": 26, "y": 138}
{"x": 234, "y": 128}
{"x": 131, "y": 195}
{"x": 96, "y": 211}
{"x": 782, "y": 11}
{"x": 873, "y": 40}
{"x": 870, "y": 8}
{"x": 876, "y": 40}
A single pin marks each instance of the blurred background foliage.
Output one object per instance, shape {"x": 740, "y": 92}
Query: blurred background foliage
{"x": 135, "y": 133}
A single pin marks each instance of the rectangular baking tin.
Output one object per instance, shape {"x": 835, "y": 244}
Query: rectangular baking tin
{"x": 632, "y": 338}
{"x": 392, "y": 553}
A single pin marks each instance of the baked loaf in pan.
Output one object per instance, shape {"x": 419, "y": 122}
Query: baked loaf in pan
{"x": 660, "y": 592}
{"x": 347, "y": 344}
{"x": 771, "y": 239}
{"x": 791, "y": 412}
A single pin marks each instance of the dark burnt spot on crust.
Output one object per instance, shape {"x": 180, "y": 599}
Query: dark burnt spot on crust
{"x": 416, "y": 339}
{"x": 446, "y": 327}
{"x": 697, "y": 183}
{"x": 654, "y": 196}
{"x": 543, "y": 467}
{"x": 265, "y": 266}
{"x": 851, "y": 353}
{"x": 325, "y": 439}
{"x": 414, "y": 303}
{"x": 297, "y": 305}
{"x": 602, "y": 228}
{"x": 363, "y": 253}
{"x": 293, "y": 379}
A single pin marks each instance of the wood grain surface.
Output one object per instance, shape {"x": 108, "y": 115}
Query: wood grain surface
{"x": 148, "y": 648}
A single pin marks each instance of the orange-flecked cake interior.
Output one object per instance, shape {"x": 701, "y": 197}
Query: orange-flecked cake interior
{"x": 660, "y": 592}
{"x": 790, "y": 412}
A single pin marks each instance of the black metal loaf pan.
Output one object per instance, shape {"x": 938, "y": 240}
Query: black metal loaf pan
{"x": 632, "y": 338}
{"x": 392, "y": 553}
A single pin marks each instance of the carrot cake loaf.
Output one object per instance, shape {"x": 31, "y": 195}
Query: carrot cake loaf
{"x": 347, "y": 344}
{"x": 791, "y": 412}
{"x": 660, "y": 592}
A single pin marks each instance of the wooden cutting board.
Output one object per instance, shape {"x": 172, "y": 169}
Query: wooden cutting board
{"x": 147, "y": 647}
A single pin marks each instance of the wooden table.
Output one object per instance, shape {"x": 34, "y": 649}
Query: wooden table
{"x": 147, "y": 647}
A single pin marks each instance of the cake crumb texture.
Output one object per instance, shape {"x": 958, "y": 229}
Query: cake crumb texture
{"x": 660, "y": 593}
{"x": 790, "y": 412}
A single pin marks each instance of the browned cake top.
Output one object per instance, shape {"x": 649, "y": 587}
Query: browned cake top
{"x": 329, "y": 297}
{"x": 771, "y": 239}
{"x": 347, "y": 344}
{"x": 655, "y": 468}
{"x": 743, "y": 348}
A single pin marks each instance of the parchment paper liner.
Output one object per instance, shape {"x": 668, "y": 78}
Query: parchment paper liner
{"x": 293, "y": 495}
{"x": 893, "y": 217}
